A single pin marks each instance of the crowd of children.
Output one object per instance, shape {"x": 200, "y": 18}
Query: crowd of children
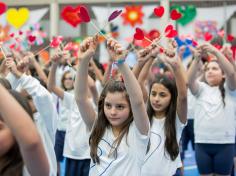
{"x": 126, "y": 121}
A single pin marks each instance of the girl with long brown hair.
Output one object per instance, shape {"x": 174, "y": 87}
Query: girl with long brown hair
{"x": 120, "y": 132}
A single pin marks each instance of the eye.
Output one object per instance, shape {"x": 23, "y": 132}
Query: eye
{"x": 153, "y": 93}
{"x": 162, "y": 94}
{"x": 120, "y": 107}
{"x": 108, "y": 105}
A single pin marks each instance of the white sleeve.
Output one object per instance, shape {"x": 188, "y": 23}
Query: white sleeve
{"x": 43, "y": 102}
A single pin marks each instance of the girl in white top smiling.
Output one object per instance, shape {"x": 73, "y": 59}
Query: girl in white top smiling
{"x": 167, "y": 110}
{"x": 120, "y": 133}
{"x": 214, "y": 115}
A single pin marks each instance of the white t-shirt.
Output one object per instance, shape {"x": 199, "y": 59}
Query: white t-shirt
{"x": 77, "y": 135}
{"x": 214, "y": 123}
{"x": 130, "y": 155}
{"x": 157, "y": 161}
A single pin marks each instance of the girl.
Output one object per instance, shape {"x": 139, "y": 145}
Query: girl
{"x": 214, "y": 116}
{"x": 20, "y": 142}
{"x": 41, "y": 104}
{"x": 76, "y": 149}
{"x": 167, "y": 111}
{"x": 120, "y": 134}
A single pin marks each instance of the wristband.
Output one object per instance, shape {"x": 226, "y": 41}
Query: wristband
{"x": 119, "y": 61}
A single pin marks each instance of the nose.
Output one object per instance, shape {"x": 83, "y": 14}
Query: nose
{"x": 113, "y": 111}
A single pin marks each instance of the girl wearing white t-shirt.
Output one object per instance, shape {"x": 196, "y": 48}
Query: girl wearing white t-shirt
{"x": 120, "y": 133}
{"x": 21, "y": 147}
{"x": 214, "y": 115}
{"x": 76, "y": 148}
{"x": 167, "y": 111}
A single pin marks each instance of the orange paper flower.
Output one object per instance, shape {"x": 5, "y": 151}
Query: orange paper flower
{"x": 133, "y": 15}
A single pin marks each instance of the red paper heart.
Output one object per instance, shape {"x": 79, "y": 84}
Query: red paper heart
{"x": 20, "y": 32}
{"x": 139, "y": 34}
{"x": 31, "y": 38}
{"x": 69, "y": 46}
{"x": 159, "y": 11}
{"x": 114, "y": 15}
{"x": 194, "y": 43}
{"x": 172, "y": 33}
{"x": 84, "y": 15}
{"x": 3, "y": 8}
{"x": 207, "y": 36}
{"x": 168, "y": 28}
{"x": 70, "y": 15}
{"x": 56, "y": 41}
{"x": 230, "y": 38}
{"x": 12, "y": 46}
{"x": 12, "y": 35}
{"x": 153, "y": 34}
{"x": 175, "y": 15}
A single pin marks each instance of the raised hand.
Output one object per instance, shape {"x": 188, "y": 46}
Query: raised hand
{"x": 115, "y": 50}
{"x": 88, "y": 47}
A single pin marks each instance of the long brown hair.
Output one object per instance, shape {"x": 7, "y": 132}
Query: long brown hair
{"x": 171, "y": 144}
{"x": 102, "y": 123}
{"x": 12, "y": 163}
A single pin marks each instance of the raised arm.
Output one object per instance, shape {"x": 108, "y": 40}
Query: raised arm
{"x": 225, "y": 65}
{"x": 26, "y": 134}
{"x": 51, "y": 84}
{"x": 132, "y": 86}
{"x": 193, "y": 69}
{"x": 149, "y": 58}
{"x": 87, "y": 50}
{"x": 37, "y": 67}
{"x": 180, "y": 79}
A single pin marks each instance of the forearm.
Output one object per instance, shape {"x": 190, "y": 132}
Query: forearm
{"x": 226, "y": 66}
{"x": 145, "y": 70}
{"x": 40, "y": 72}
{"x": 81, "y": 82}
{"x": 131, "y": 83}
{"x": 52, "y": 77}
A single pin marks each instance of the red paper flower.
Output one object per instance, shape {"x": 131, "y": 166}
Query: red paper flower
{"x": 56, "y": 41}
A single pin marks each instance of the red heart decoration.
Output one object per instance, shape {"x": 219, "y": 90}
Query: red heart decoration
{"x": 139, "y": 34}
{"x": 194, "y": 43}
{"x": 217, "y": 46}
{"x": 69, "y": 46}
{"x": 20, "y": 32}
{"x": 84, "y": 15}
{"x": 172, "y": 33}
{"x": 70, "y": 15}
{"x": 3, "y": 8}
{"x": 12, "y": 35}
{"x": 56, "y": 41}
{"x": 159, "y": 11}
{"x": 230, "y": 38}
{"x": 169, "y": 27}
{"x": 12, "y": 46}
{"x": 207, "y": 36}
{"x": 153, "y": 34}
{"x": 175, "y": 15}
{"x": 31, "y": 38}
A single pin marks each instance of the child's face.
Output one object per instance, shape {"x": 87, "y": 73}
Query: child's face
{"x": 68, "y": 81}
{"x": 116, "y": 108}
{"x": 6, "y": 139}
{"x": 160, "y": 99}
{"x": 213, "y": 74}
